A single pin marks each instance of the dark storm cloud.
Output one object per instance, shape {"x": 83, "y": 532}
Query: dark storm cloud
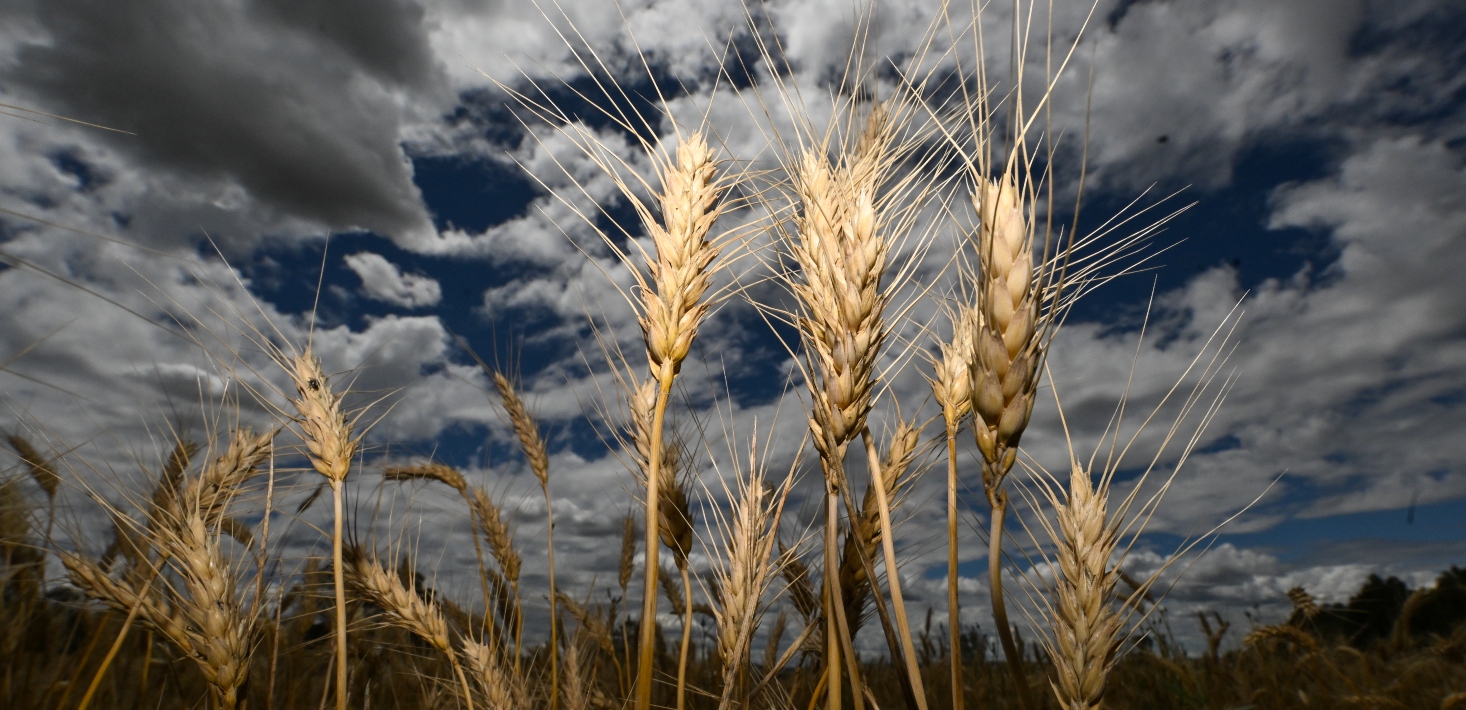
{"x": 250, "y": 94}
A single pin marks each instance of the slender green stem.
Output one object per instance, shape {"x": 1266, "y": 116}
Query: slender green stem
{"x": 647, "y": 642}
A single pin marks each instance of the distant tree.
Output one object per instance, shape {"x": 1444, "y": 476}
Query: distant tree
{"x": 1368, "y": 616}
{"x": 1443, "y": 607}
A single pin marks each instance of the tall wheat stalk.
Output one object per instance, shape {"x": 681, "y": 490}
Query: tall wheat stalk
{"x": 330, "y": 447}
{"x": 842, "y": 244}
{"x": 1008, "y": 350}
{"x": 749, "y": 531}
{"x": 205, "y": 617}
{"x": 672, "y": 306}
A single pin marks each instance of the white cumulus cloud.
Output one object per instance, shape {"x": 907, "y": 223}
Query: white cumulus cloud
{"x": 383, "y": 281}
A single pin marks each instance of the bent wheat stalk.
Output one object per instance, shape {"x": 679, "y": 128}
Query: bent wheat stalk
{"x": 528, "y": 433}
{"x": 405, "y": 608}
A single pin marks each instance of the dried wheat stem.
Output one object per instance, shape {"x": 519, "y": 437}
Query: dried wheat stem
{"x": 888, "y": 547}
{"x": 331, "y": 447}
{"x": 1086, "y": 627}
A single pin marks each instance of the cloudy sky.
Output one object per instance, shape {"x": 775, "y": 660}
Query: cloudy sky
{"x": 354, "y": 172}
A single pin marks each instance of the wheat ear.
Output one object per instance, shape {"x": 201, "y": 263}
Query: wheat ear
{"x": 331, "y": 447}
{"x": 500, "y": 690}
{"x": 672, "y": 308}
{"x": 952, "y": 388}
{"x": 452, "y": 478}
{"x": 533, "y": 446}
{"x": 842, "y": 264}
{"x": 406, "y": 608}
{"x": 204, "y": 619}
{"x": 1007, "y": 351}
{"x": 1086, "y": 627}
{"x": 753, "y": 526}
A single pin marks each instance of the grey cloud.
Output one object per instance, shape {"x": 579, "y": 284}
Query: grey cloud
{"x": 215, "y": 94}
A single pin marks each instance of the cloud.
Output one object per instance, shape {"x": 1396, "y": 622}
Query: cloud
{"x": 299, "y": 109}
{"x": 381, "y": 279}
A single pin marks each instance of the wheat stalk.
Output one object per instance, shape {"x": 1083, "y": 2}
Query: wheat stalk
{"x": 841, "y": 261}
{"x": 204, "y": 619}
{"x": 951, "y": 386}
{"x": 330, "y": 446}
{"x": 672, "y": 307}
{"x": 1086, "y": 627}
{"x": 1007, "y": 349}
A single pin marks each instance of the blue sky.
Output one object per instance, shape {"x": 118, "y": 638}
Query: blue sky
{"x": 276, "y": 145}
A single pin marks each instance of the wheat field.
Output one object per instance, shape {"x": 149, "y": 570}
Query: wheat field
{"x": 781, "y": 552}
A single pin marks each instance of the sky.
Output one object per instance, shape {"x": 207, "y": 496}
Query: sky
{"x": 356, "y": 174}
